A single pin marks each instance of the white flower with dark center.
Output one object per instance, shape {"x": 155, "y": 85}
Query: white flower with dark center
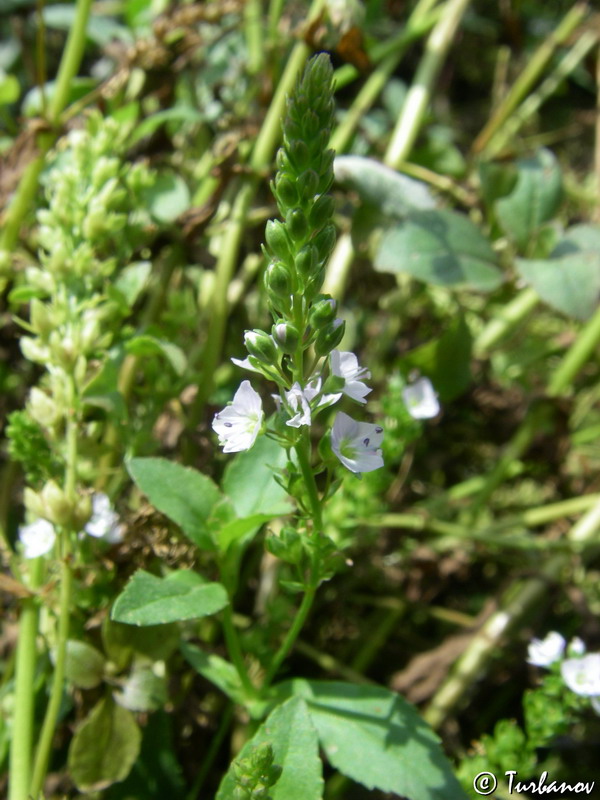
{"x": 357, "y": 444}
{"x": 104, "y": 522}
{"x": 421, "y": 400}
{"x": 582, "y": 675}
{"x": 345, "y": 365}
{"x": 37, "y": 538}
{"x": 238, "y": 425}
{"x": 544, "y": 652}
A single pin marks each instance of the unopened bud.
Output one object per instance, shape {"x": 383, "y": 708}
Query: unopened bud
{"x": 286, "y": 337}
{"x": 57, "y": 508}
{"x": 306, "y": 261}
{"x": 321, "y": 211}
{"x": 322, "y": 312}
{"x": 297, "y": 225}
{"x": 260, "y": 345}
{"x": 277, "y": 240}
{"x": 307, "y": 184}
{"x": 41, "y": 318}
{"x": 285, "y": 191}
{"x": 299, "y": 154}
{"x": 329, "y": 338}
{"x": 278, "y": 280}
{"x": 324, "y": 241}
{"x": 43, "y": 408}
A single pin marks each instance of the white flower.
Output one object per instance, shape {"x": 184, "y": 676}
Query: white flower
{"x": 576, "y": 647}
{"x": 357, "y": 444}
{"x": 298, "y": 400}
{"x": 37, "y": 538}
{"x": 543, "y": 652}
{"x": 104, "y": 522}
{"x": 245, "y": 364}
{"x": 582, "y": 675}
{"x": 345, "y": 365}
{"x": 238, "y": 425}
{"x": 421, "y": 399}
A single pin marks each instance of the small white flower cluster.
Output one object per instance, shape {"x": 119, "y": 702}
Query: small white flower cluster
{"x": 579, "y": 670}
{"x": 38, "y": 538}
{"x": 356, "y": 444}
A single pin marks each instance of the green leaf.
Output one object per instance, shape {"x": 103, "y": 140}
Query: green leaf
{"x": 291, "y": 734}
{"x": 167, "y": 198}
{"x": 148, "y": 600}
{"x": 445, "y": 360}
{"x": 248, "y": 480}
{"x": 534, "y": 199}
{"x": 9, "y": 88}
{"x": 183, "y": 494}
{"x": 132, "y": 280}
{"x": 376, "y": 738}
{"x": 394, "y": 194}
{"x": 84, "y": 666}
{"x": 154, "y": 121}
{"x": 570, "y": 279}
{"x": 439, "y": 247}
{"x": 100, "y": 29}
{"x": 216, "y": 670}
{"x": 143, "y": 690}
{"x": 147, "y": 345}
{"x": 104, "y": 747}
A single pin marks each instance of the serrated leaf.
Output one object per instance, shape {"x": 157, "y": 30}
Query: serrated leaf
{"x": 376, "y": 738}
{"x": 534, "y": 199}
{"x": 216, "y": 670}
{"x": 394, "y": 194}
{"x": 84, "y": 665}
{"x": 570, "y": 279}
{"x": 146, "y": 345}
{"x": 104, "y": 748}
{"x": 291, "y": 734}
{"x": 248, "y": 480}
{"x": 185, "y": 495}
{"x": 148, "y": 600}
{"x": 439, "y": 247}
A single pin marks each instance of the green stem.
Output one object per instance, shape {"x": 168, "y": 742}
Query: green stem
{"x": 535, "y": 66}
{"x": 212, "y": 752}
{"x": 581, "y": 350}
{"x": 254, "y": 41}
{"x": 414, "y": 107}
{"x": 505, "y": 321}
{"x": 44, "y": 747}
{"x": 69, "y": 66}
{"x": 235, "y": 651}
{"x": 303, "y": 453}
{"x": 26, "y": 657}
{"x": 291, "y": 635}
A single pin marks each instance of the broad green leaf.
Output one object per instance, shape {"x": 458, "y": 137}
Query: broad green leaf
{"x": 570, "y": 279}
{"x": 148, "y": 600}
{"x": 84, "y": 666}
{"x": 104, "y": 747}
{"x": 167, "y": 198}
{"x": 185, "y": 495}
{"x": 376, "y": 738}
{"x": 146, "y": 345}
{"x": 132, "y": 279}
{"x": 248, "y": 480}
{"x": 144, "y": 689}
{"x": 238, "y": 529}
{"x": 121, "y": 642}
{"x": 394, "y": 194}
{"x": 445, "y": 360}
{"x": 439, "y": 247}
{"x": 291, "y": 734}
{"x": 534, "y": 199}
{"x": 216, "y": 670}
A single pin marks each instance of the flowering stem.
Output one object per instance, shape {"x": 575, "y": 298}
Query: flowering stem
{"x": 303, "y": 453}
{"x": 44, "y": 747}
{"x": 22, "y": 733}
{"x": 235, "y": 651}
{"x": 291, "y": 635}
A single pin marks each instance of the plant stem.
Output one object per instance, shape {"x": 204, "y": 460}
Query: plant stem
{"x": 303, "y": 453}
{"x": 44, "y": 747}
{"x": 414, "y": 107}
{"x": 69, "y": 66}
{"x": 535, "y": 66}
{"x": 26, "y": 657}
{"x": 211, "y": 753}
{"x": 254, "y": 42}
{"x": 576, "y": 357}
{"x": 505, "y": 321}
{"x": 291, "y": 635}
{"x": 235, "y": 651}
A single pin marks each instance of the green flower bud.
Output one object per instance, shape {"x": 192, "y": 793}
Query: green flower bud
{"x": 323, "y": 311}
{"x": 260, "y": 345}
{"x": 284, "y": 191}
{"x": 321, "y": 211}
{"x": 286, "y": 337}
{"x": 324, "y": 241}
{"x": 306, "y": 261}
{"x": 315, "y": 283}
{"x": 277, "y": 239}
{"x": 307, "y": 184}
{"x": 278, "y": 280}
{"x": 297, "y": 225}
{"x": 41, "y": 318}
{"x": 42, "y": 408}
{"x": 299, "y": 155}
{"x": 57, "y": 508}
{"x": 329, "y": 338}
